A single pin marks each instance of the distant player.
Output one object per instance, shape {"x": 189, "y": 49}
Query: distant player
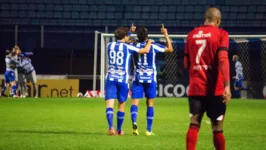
{"x": 239, "y": 78}
{"x": 28, "y": 74}
{"x": 116, "y": 86}
{"x": 206, "y": 57}
{"x": 10, "y": 77}
{"x": 145, "y": 77}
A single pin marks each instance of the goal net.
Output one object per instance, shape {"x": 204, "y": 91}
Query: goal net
{"x": 173, "y": 78}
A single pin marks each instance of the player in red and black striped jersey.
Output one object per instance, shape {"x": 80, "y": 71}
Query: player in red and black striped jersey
{"x": 206, "y": 58}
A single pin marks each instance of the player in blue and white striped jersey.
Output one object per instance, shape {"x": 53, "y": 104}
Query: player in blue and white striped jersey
{"x": 145, "y": 75}
{"x": 239, "y": 78}
{"x": 10, "y": 77}
{"x": 116, "y": 86}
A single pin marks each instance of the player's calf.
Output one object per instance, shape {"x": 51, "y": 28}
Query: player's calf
{"x": 134, "y": 115}
{"x": 109, "y": 115}
{"x": 192, "y": 133}
{"x": 149, "y": 114}
{"x": 218, "y": 136}
{"x": 120, "y": 117}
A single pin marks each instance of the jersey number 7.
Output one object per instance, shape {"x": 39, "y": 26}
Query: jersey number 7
{"x": 202, "y": 44}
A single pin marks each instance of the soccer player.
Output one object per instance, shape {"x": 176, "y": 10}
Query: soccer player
{"x": 116, "y": 86}
{"x": 145, "y": 75}
{"x": 11, "y": 64}
{"x": 239, "y": 78}
{"x": 26, "y": 68}
{"x": 206, "y": 58}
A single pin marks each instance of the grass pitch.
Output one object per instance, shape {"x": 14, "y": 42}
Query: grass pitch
{"x": 32, "y": 124}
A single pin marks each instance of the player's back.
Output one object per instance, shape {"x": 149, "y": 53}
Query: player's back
{"x": 145, "y": 64}
{"x": 118, "y": 61}
{"x": 202, "y": 47}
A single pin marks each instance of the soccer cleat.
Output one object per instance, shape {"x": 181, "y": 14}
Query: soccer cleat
{"x": 149, "y": 133}
{"x": 121, "y": 132}
{"x": 111, "y": 131}
{"x": 135, "y": 129}
{"x": 15, "y": 96}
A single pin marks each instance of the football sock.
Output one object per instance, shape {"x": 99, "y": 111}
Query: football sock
{"x": 3, "y": 90}
{"x": 14, "y": 89}
{"x": 238, "y": 93}
{"x": 192, "y": 136}
{"x": 109, "y": 116}
{"x": 134, "y": 113}
{"x": 120, "y": 120}
{"x": 150, "y": 114}
{"x": 219, "y": 140}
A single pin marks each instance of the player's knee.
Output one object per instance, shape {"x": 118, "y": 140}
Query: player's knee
{"x": 110, "y": 103}
{"x": 135, "y": 102}
{"x": 121, "y": 106}
{"x": 196, "y": 119}
{"x": 13, "y": 83}
{"x": 149, "y": 102}
{"x": 217, "y": 126}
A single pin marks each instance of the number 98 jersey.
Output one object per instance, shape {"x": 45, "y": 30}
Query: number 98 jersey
{"x": 201, "y": 50}
{"x": 119, "y": 55}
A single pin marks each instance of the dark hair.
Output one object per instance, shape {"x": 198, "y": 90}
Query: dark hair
{"x": 121, "y": 32}
{"x": 142, "y": 34}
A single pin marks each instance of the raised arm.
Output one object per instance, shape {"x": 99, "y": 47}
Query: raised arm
{"x": 169, "y": 46}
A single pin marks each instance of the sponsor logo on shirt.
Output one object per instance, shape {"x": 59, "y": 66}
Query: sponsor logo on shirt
{"x": 200, "y": 34}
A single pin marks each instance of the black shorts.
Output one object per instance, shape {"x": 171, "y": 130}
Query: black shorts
{"x": 212, "y": 105}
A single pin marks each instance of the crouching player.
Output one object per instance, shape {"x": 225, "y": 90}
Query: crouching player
{"x": 145, "y": 77}
{"x": 116, "y": 86}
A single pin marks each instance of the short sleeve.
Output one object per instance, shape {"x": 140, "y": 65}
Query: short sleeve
{"x": 158, "y": 48}
{"x": 224, "y": 44}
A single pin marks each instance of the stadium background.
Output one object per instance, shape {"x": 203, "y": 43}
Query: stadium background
{"x": 61, "y": 33}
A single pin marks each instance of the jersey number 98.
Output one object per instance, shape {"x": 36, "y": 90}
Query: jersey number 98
{"x": 116, "y": 57}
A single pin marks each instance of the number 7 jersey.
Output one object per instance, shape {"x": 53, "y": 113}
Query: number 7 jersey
{"x": 119, "y": 56}
{"x": 201, "y": 50}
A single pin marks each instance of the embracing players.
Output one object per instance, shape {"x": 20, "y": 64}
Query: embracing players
{"x": 145, "y": 75}
{"x": 206, "y": 57}
{"x": 116, "y": 86}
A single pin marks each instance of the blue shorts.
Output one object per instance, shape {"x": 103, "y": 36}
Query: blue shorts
{"x": 9, "y": 76}
{"x": 139, "y": 89}
{"x": 116, "y": 90}
{"x": 238, "y": 82}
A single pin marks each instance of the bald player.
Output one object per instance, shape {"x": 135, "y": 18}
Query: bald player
{"x": 206, "y": 58}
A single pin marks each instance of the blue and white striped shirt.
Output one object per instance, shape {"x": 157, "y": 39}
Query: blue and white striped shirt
{"x": 11, "y": 63}
{"x": 239, "y": 70}
{"x": 145, "y": 64}
{"x": 119, "y": 55}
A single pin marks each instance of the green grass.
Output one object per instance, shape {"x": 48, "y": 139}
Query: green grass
{"x": 32, "y": 124}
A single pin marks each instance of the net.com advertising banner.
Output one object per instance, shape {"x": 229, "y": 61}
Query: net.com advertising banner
{"x": 53, "y": 88}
